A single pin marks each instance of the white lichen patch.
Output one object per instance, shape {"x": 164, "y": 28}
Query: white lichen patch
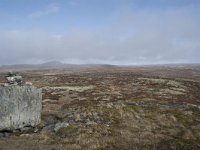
{"x": 167, "y": 82}
{"x": 178, "y": 89}
{"x": 169, "y": 91}
{"x": 175, "y": 84}
{"x": 71, "y": 88}
{"x": 157, "y": 81}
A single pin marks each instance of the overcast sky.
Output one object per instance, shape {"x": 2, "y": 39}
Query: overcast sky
{"x": 120, "y": 32}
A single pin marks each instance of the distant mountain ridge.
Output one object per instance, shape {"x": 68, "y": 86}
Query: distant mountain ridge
{"x": 60, "y": 65}
{"x": 50, "y": 65}
{"x": 46, "y": 65}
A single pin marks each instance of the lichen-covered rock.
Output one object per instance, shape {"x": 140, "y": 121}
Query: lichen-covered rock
{"x": 19, "y": 106}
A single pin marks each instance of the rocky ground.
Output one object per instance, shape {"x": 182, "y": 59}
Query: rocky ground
{"x": 152, "y": 107}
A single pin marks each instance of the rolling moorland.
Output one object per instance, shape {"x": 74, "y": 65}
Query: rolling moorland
{"x": 111, "y": 107}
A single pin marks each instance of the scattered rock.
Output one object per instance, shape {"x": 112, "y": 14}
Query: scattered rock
{"x": 77, "y": 117}
{"x": 60, "y": 125}
{"x": 173, "y": 118}
{"x": 89, "y": 122}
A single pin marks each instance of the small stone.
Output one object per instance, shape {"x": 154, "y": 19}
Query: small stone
{"x": 173, "y": 118}
{"x": 25, "y": 135}
{"x": 77, "y": 117}
{"x": 36, "y": 130}
{"x": 28, "y": 83}
{"x": 60, "y": 125}
{"x": 90, "y": 122}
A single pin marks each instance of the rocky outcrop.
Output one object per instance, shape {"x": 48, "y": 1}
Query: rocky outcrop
{"x": 20, "y": 106}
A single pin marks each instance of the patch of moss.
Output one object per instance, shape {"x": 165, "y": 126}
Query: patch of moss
{"x": 147, "y": 101}
{"x": 185, "y": 144}
{"x": 132, "y": 108}
{"x": 68, "y": 131}
{"x": 182, "y": 118}
{"x": 112, "y": 114}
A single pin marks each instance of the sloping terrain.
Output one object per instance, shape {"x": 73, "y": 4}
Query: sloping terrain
{"x": 114, "y": 108}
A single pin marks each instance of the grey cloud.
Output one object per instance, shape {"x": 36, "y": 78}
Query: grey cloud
{"x": 130, "y": 37}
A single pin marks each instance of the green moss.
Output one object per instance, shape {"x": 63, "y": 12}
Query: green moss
{"x": 112, "y": 114}
{"x": 182, "y": 118}
{"x": 178, "y": 144}
{"x": 131, "y": 109}
{"x": 68, "y": 131}
{"x": 185, "y": 144}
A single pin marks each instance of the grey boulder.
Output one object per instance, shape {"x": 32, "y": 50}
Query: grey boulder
{"x": 20, "y": 106}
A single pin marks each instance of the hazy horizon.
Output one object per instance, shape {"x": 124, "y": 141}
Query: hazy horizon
{"x": 118, "y": 32}
{"x": 55, "y": 62}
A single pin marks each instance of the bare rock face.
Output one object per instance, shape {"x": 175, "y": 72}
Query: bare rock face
{"x": 19, "y": 106}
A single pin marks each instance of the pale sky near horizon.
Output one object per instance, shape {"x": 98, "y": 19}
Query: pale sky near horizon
{"x": 121, "y": 32}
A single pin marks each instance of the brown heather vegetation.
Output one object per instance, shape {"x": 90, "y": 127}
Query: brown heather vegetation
{"x": 142, "y": 108}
